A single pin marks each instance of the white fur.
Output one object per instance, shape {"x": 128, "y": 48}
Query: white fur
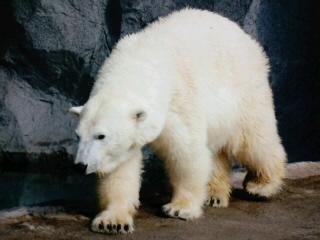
{"x": 202, "y": 85}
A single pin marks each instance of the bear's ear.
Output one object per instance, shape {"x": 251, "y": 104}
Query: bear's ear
{"x": 76, "y": 110}
{"x": 140, "y": 115}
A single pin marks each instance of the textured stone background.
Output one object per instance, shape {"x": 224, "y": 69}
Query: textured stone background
{"x": 50, "y": 52}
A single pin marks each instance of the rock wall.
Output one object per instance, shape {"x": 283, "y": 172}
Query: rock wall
{"x": 50, "y": 52}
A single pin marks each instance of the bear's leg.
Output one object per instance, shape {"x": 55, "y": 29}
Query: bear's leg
{"x": 189, "y": 174}
{"x": 188, "y": 161}
{"x": 219, "y": 186}
{"x": 265, "y": 160}
{"x": 119, "y": 197}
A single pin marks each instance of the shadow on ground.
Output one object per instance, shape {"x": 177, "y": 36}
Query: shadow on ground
{"x": 294, "y": 214}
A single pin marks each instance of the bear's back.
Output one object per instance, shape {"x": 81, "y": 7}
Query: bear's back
{"x": 192, "y": 52}
{"x": 201, "y": 39}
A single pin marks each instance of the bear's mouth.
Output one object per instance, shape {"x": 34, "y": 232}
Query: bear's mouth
{"x": 91, "y": 166}
{"x": 94, "y": 165}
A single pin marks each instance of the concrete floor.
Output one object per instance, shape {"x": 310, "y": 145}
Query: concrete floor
{"x": 294, "y": 214}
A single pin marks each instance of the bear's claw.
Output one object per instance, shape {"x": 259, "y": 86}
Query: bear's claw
{"x": 216, "y": 202}
{"x": 105, "y": 223}
{"x": 113, "y": 229}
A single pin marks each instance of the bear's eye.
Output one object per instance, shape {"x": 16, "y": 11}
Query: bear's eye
{"x": 140, "y": 115}
{"x": 100, "y": 136}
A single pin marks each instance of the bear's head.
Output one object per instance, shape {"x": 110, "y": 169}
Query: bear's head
{"x": 111, "y": 132}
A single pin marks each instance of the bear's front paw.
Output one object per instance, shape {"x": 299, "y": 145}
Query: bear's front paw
{"x": 182, "y": 210}
{"x": 112, "y": 223}
{"x": 218, "y": 194}
{"x": 216, "y": 201}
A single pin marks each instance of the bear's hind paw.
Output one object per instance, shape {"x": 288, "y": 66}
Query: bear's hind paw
{"x": 264, "y": 190}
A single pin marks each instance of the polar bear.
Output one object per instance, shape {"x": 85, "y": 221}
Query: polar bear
{"x": 195, "y": 87}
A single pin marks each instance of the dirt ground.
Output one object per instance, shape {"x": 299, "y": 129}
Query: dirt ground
{"x": 294, "y": 214}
